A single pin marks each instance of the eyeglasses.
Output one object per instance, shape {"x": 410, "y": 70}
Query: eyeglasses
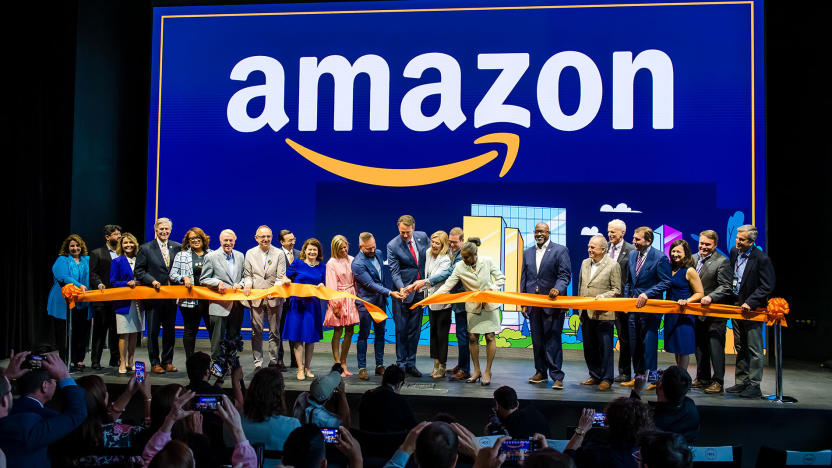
{"x": 191, "y": 239}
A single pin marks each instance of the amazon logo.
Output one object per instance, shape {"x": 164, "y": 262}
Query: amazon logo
{"x": 491, "y": 108}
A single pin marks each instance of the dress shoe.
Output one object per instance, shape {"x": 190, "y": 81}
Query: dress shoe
{"x": 652, "y": 386}
{"x": 363, "y": 375}
{"x": 590, "y": 381}
{"x": 629, "y": 383}
{"x": 622, "y": 378}
{"x": 440, "y": 372}
{"x": 114, "y": 363}
{"x": 558, "y": 385}
{"x": 453, "y": 371}
{"x": 604, "y": 386}
{"x": 170, "y": 368}
{"x": 751, "y": 391}
{"x": 96, "y": 367}
{"x": 380, "y": 370}
{"x": 281, "y": 367}
{"x": 459, "y": 375}
{"x": 537, "y": 378}
{"x": 715, "y": 387}
{"x": 700, "y": 384}
{"x": 157, "y": 369}
{"x": 413, "y": 371}
{"x": 738, "y": 388}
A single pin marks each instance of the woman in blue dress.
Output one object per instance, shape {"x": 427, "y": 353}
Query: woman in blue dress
{"x": 305, "y": 318}
{"x": 679, "y": 335}
{"x": 72, "y": 266}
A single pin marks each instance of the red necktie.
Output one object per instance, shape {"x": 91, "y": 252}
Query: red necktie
{"x": 415, "y": 258}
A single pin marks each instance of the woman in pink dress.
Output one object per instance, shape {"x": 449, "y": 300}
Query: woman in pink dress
{"x": 341, "y": 313}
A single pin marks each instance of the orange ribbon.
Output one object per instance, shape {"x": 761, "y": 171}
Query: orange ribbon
{"x": 776, "y": 311}
{"x": 73, "y": 294}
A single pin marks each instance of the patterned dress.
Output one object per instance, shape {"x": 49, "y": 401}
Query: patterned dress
{"x": 339, "y": 277}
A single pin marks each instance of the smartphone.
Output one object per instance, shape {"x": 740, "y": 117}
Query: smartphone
{"x": 600, "y": 420}
{"x": 654, "y": 376}
{"x": 140, "y": 375}
{"x": 206, "y": 402}
{"x": 330, "y": 434}
{"x": 517, "y": 450}
{"x": 35, "y": 361}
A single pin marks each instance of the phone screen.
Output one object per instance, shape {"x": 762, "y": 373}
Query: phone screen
{"x": 516, "y": 449}
{"x": 600, "y": 420}
{"x": 654, "y": 376}
{"x": 140, "y": 375}
{"x": 330, "y": 435}
{"x": 35, "y": 361}
{"x": 206, "y": 402}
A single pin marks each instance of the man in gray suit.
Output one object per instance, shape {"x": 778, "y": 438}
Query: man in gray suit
{"x": 223, "y": 269}
{"x": 619, "y": 250}
{"x": 265, "y": 266}
{"x": 715, "y": 272}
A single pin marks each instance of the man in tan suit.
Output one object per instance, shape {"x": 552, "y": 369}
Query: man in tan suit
{"x": 600, "y": 277}
{"x": 265, "y": 266}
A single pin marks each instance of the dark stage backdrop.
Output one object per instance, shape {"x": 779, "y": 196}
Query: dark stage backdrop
{"x": 77, "y": 131}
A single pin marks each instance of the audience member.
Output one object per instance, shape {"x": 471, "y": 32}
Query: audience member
{"x": 188, "y": 430}
{"x": 663, "y": 449}
{"x": 175, "y": 454}
{"x": 383, "y": 409}
{"x": 310, "y": 406}
{"x": 516, "y": 422}
{"x": 436, "y": 444}
{"x": 264, "y": 410}
{"x": 547, "y": 457}
{"x": 673, "y": 411}
{"x": 305, "y": 448}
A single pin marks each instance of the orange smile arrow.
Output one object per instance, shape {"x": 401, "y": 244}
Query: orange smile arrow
{"x": 418, "y": 176}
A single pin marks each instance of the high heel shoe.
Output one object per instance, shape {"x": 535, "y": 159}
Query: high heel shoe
{"x": 474, "y": 379}
{"x": 484, "y": 383}
{"x": 309, "y": 374}
{"x": 301, "y": 376}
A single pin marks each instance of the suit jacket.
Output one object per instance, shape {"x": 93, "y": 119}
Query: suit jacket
{"x": 150, "y": 266}
{"x": 757, "y": 280}
{"x": 716, "y": 277}
{"x": 653, "y": 279}
{"x": 368, "y": 284}
{"x": 262, "y": 274}
{"x": 403, "y": 268}
{"x": 100, "y": 267}
{"x": 214, "y": 271}
{"x": 120, "y": 275}
{"x": 605, "y": 283}
{"x": 624, "y": 262}
{"x": 26, "y": 435}
{"x": 555, "y": 270}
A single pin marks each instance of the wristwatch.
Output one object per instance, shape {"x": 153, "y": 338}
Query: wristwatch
{"x": 579, "y": 431}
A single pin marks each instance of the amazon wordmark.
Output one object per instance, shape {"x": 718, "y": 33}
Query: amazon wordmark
{"x": 492, "y": 107}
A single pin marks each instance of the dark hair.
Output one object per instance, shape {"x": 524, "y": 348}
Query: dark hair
{"x": 197, "y": 365}
{"x": 206, "y": 239}
{"x": 282, "y": 234}
{"x": 314, "y": 243}
{"x": 436, "y": 446}
{"x": 626, "y": 418}
{"x": 548, "y": 458}
{"x": 265, "y": 396}
{"x": 175, "y": 454}
{"x": 664, "y": 449}
{"x": 304, "y": 448}
{"x": 65, "y": 245}
{"x": 95, "y": 390}
{"x": 444, "y": 417}
{"x": 687, "y": 260}
{"x": 160, "y": 406}
{"x": 31, "y": 382}
{"x": 111, "y": 228}
{"x": 393, "y": 375}
{"x": 675, "y": 383}
{"x": 506, "y": 397}
{"x": 646, "y": 232}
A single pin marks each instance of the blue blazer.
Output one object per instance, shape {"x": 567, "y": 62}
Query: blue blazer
{"x": 120, "y": 274}
{"x": 757, "y": 279}
{"x": 555, "y": 270}
{"x": 654, "y": 277}
{"x": 56, "y": 305}
{"x": 403, "y": 268}
{"x": 368, "y": 285}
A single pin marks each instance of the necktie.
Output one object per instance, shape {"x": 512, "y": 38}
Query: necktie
{"x": 640, "y": 262}
{"x": 612, "y": 252}
{"x": 290, "y": 256}
{"x": 165, "y": 254}
{"x": 699, "y": 264}
{"x": 415, "y": 258}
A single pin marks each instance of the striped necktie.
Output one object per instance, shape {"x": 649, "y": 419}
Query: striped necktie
{"x": 640, "y": 262}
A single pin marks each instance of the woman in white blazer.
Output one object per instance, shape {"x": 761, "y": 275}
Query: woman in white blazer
{"x": 437, "y": 261}
{"x": 478, "y": 274}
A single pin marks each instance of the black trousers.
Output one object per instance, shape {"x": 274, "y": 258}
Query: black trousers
{"x": 104, "y": 329}
{"x": 622, "y": 324}
{"x": 598, "y": 347}
{"x": 160, "y": 313}
{"x": 191, "y": 317}
{"x": 80, "y": 334}
{"x": 710, "y": 349}
{"x": 440, "y": 327}
{"x": 546, "y": 326}
{"x": 59, "y": 336}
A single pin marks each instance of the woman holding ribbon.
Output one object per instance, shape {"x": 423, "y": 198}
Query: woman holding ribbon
{"x": 186, "y": 269}
{"x": 341, "y": 314}
{"x": 685, "y": 287}
{"x": 304, "y": 321}
{"x": 437, "y": 261}
{"x": 71, "y": 267}
{"x": 129, "y": 316}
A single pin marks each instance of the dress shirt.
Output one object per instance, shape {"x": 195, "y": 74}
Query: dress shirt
{"x": 739, "y": 268}
{"x": 289, "y": 256}
{"x": 540, "y": 250}
{"x": 376, "y": 264}
{"x": 615, "y": 249}
{"x": 592, "y": 269}
{"x": 113, "y": 254}
{"x": 229, "y": 260}
{"x": 701, "y": 263}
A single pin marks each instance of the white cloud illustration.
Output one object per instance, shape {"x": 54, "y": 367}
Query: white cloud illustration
{"x": 619, "y": 208}
{"x": 587, "y": 231}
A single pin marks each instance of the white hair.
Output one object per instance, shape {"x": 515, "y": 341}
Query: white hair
{"x": 618, "y": 224}
{"x": 162, "y": 221}
{"x": 602, "y": 241}
{"x": 750, "y": 229}
{"x": 228, "y": 231}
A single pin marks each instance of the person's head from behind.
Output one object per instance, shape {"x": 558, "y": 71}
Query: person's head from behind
{"x": 6, "y": 398}
{"x": 674, "y": 385}
{"x": 548, "y": 458}
{"x": 505, "y": 401}
{"x": 266, "y": 395}
{"x": 305, "y": 448}
{"x": 626, "y": 418}
{"x": 198, "y": 366}
{"x": 38, "y": 385}
{"x": 97, "y": 399}
{"x": 663, "y": 449}
{"x": 393, "y": 377}
{"x": 160, "y": 407}
{"x": 324, "y": 385}
{"x": 436, "y": 446}
{"x": 176, "y": 454}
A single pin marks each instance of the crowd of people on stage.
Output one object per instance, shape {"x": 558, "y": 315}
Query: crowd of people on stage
{"x": 414, "y": 266}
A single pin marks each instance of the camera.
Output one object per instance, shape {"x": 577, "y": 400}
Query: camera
{"x": 227, "y": 358}
{"x": 495, "y": 426}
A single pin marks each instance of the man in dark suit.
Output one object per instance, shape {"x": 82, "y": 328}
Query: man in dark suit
{"x": 406, "y": 258}
{"x": 104, "y": 320}
{"x": 619, "y": 250}
{"x": 372, "y": 284}
{"x": 546, "y": 270}
{"x": 715, "y": 272}
{"x": 287, "y": 243}
{"x": 153, "y": 269}
{"x": 649, "y": 278}
{"x": 753, "y": 284}
{"x": 28, "y": 429}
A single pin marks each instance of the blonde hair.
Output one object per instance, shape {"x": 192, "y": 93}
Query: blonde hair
{"x": 443, "y": 239}
{"x": 337, "y": 242}
{"x": 127, "y": 235}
